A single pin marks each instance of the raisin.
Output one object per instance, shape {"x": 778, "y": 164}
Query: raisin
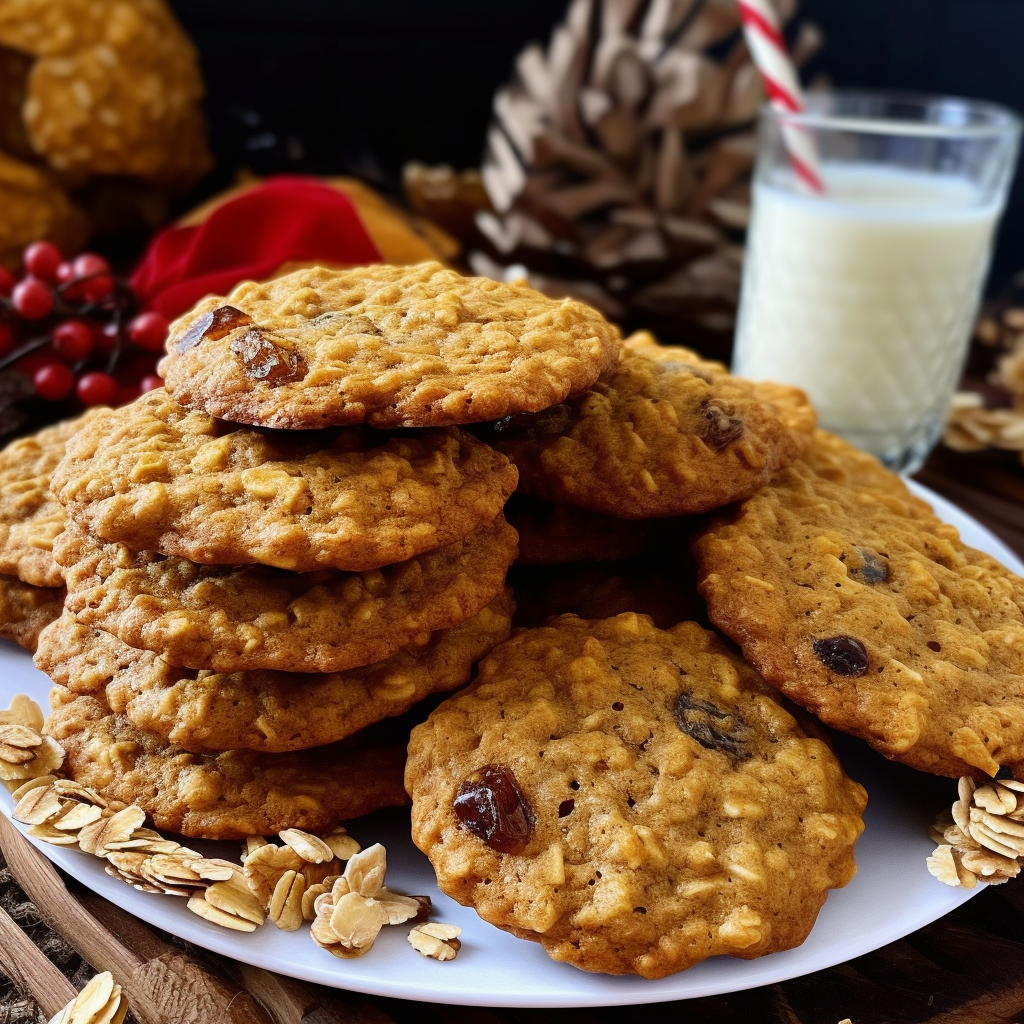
{"x": 216, "y": 324}
{"x": 712, "y": 727}
{"x": 491, "y": 805}
{"x": 264, "y": 361}
{"x": 722, "y": 427}
{"x": 533, "y": 425}
{"x": 844, "y": 655}
{"x": 875, "y": 568}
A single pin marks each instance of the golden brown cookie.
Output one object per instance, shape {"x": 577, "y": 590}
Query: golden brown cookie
{"x": 268, "y": 711}
{"x": 557, "y": 534}
{"x": 114, "y": 88}
{"x": 390, "y": 346}
{"x": 876, "y": 617}
{"x": 238, "y": 618}
{"x": 634, "y": 800}
{"x": 229, "y": 795}
{"x": 664, "y": 433}
{"x": 25, "y": 610}
{"x": 834, "y": 459}
{"x": 160, "y": 478}
{"x": 30, "y": 516}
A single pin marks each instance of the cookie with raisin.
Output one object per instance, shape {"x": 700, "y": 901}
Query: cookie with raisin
{"x": 389, "y": 346}
{"x": 634, "y": 799}
{"x": 858, "y": 603}
{"x": 227, "y": 795}
{"x": 664, "y": 433}
{"x": 158, "y": 477}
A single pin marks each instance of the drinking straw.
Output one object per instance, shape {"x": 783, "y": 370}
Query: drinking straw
{"x": 768, "y": 49}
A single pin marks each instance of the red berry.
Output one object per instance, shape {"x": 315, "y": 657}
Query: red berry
{"x": 106, "y": 338}
{"x": 89, "y": 263}
{"x": 97, "y": 389}
{"x": 149, "y": 330}
{"x": 65, "y": 272}
{"x": 32, "y": 298}
{"x": 150, "y": 382}
{"x": 42, "y": 260}
{"x": 54, "y": 382}
{"x": 127, "y": 393}
{"x": 72, "y": 340}
{"x": 34, "y": 361}
{"x": 6, "y": 338}
{"x": 93, "y": 281}
{"x": 7, "y": 280}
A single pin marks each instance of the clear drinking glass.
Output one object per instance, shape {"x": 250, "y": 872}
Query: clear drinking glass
{"x": 864, "y": 295}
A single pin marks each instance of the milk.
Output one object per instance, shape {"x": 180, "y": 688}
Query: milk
{"x": 865, "y": 298}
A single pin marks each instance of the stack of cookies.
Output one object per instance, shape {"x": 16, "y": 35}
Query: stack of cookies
{"x": 294, "y": 541}
{"x": 615, "y": 474}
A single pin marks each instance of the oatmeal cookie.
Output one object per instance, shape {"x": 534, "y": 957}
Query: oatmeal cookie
{"x": 834, "y": 459}
{"x": 230, "y": 795}
{"x": 114, "y": 88}
{"x": 269, "y": 711}
{"x": 664, "y": 433}
{"x": 634, "y": 800}
{"x": 390, "y": 346}
{"x": 556, "y": 534}
{"x": 30, "y": 516}
{"x": 237, "y": 618}
{"x": 160, "y": 478}
{"x": 874, "y": 616}
{"x": 25, "y": 610}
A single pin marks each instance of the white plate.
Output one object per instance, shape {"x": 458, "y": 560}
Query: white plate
{"x": 892, "y": 895}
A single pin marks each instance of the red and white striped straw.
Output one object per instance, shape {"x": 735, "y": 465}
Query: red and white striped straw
{"x": 768, "y": 49}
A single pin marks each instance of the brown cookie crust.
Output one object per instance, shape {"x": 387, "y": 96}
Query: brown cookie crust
{"x": 657, "y": 805}
{"x": 390, "y": 346}
{"x": 873, "y": 614}
{"x": 832, "y": 458}
{"x": 664, "y": 433}
{"x": 239, "y": 618}
{"x": 267, "y": 711}
{"x": 158, "y": 477}
{"x": 25, "y": 610}
{"x": 230, "y": 795}
{"x": 30, "y": 516}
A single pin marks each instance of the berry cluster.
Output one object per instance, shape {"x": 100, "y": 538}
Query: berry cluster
{"x": 71, "y": 333}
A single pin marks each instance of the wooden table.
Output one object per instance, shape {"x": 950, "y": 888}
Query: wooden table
{"x": 966, "y": 968}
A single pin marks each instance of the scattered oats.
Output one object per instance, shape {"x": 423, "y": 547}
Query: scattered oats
{"x": 343, "y": 845}
{"x": 100, "y": 1002}
{"x": 118, "y": 828}
{"x": 199, "y": 905}
{"x": 981, "y": 838}
{"x": 250, "y": 844}
{"x": 436, "y": 940}
{"x": 38, "y": 805}
{"x": 308, "y": 847}
{"x": 285, "y": 908}
{"x": 265, "y": 866}
{"x": 234, "y": 897}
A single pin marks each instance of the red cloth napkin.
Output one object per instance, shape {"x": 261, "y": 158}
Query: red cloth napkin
{"x": 249, "y": 237}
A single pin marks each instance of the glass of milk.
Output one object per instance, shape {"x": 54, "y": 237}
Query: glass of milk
{"x": 865, "y": 295}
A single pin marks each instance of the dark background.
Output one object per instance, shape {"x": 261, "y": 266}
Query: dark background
{"x": 344, "y": 87}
